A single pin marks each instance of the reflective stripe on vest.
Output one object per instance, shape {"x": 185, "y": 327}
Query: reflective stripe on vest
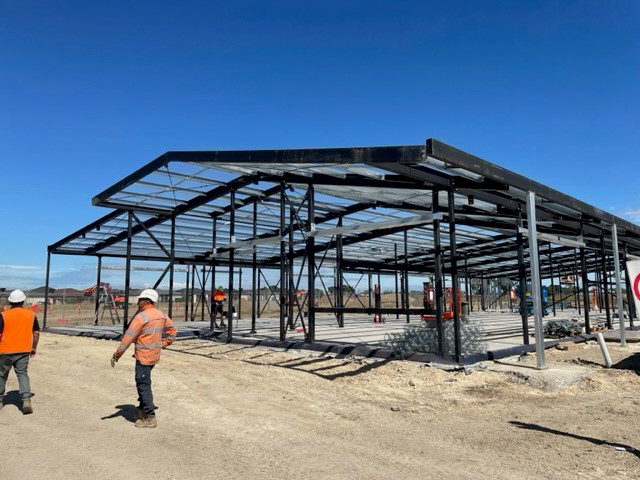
{"x": 149, "y": 341}
{"x": 17, "y": 335}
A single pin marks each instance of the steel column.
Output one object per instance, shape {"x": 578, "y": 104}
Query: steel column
{"x": 369, "y": 286}
{"x": 454, "y": 272}
{"x": 203, "y": 293}
{"x": 437, "y": 246}
{"x": 575, "y": 279}
{"x": 340, "y": 282}
{"x": 186, "y": 295}
{"x": 466, "y": 283}
{"x": 585, "y": 290}
{"x": 553, "y": 294}
{"x": 605, "y": 281}
{"x": 259, "y": 290}
{"x": 283, "y": 261}
{"x": 406, "y": 276}
{"x": 97, "y": 291}
{"x": 616, "y": 264}
{"x": 46, "y": 290}
{"x": 630, "y": 299}
{"x": 522, "y": 280}
{"x": 395, "y": 276}
{"x": 193, "y": 289}
{"x": 173, "y": 260}
{"x": 290, "y": 274}
{"x": 535, "y": 278}
{"x": 311, "y": 262}
{"x": 214, "y": 287}
{"x": 239, "y": 293}
{"x": 213, "y": 313}
{"x": 127, "y": 276}
{"x": 254, "y": 270}
{"x": 232, "y": 252}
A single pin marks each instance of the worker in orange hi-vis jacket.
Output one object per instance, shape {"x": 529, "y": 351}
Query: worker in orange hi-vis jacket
{"x": 151, "y": 330}
{"x": 19, "y": 334}
{"x": 218, "y": 299}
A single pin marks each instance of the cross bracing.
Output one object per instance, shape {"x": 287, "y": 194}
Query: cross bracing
{"x": 370, "y": 188}
{"x": 420, "y": 209}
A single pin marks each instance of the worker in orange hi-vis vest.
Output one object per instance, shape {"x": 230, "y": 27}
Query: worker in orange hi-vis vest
{"x": 19, "y": 334}
{"x": 218, "y": 298}
{"x": 150, "y": 330}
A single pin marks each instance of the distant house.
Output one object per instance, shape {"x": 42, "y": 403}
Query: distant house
{"x": 66, "y": 295}
{"x": 37, "y": 295}
{"x": 56, "y": 296}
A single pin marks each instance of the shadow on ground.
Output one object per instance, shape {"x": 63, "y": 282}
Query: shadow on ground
{"x": 595, "y": 441}
{"x": 13, "y": 398}
{"x": 631, "y": 363}
{"x": 127, "y": 411}
{"x": 319, "y": 366}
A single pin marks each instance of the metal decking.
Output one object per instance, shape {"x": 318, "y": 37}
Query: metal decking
{"x": 429, "y": 211}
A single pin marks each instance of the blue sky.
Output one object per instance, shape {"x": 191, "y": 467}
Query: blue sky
{"x": 90, "y": 91}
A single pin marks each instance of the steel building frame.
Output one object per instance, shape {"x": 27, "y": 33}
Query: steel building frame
{"x": 409, "y": 210}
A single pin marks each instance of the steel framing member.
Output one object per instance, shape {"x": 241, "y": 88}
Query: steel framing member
{"x": 360, "y": 204}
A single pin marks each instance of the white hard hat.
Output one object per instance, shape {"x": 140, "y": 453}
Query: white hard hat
{"x": 149, "y": 294}
{"x": 17, "y": 296}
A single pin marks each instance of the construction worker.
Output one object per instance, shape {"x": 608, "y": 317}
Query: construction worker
{"x": 218, "y": 298}
{"x": 19, "y": 334}
{"x": 151, "y": 330}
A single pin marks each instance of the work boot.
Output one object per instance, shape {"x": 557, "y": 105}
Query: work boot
{"x": 148, "y": 421}
{"x": 26, "y": 406}
{"x": 140, "y": 413}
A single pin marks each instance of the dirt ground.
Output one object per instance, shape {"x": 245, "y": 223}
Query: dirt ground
{"x": 234, "y": 412}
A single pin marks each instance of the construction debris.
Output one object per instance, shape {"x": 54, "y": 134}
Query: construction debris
{"x": 562, "y": 328}
{"x": 420, "y": 339}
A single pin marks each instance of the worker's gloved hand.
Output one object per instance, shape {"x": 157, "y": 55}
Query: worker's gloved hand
{"x": 114, "y": 360}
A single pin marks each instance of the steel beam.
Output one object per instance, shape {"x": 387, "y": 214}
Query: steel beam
{"x": 195, "y": 202}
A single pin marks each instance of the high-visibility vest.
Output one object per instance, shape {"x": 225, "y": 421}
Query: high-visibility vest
{"x": 17, "y": 334}
{"x": 218, "y": 296}
{"x": 146, "y": 330}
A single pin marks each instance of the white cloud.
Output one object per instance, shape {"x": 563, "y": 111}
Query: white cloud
{"x": 20, "y": 267}
{"x": 632, "y": 215}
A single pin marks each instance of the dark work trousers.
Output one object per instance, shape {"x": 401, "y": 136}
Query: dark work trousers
{"x": 217, "y": 308}
{"x": 20, "y": 363}
{"x": 143, "y": 384}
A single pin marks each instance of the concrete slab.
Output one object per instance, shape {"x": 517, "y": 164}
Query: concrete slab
{"x": 503, "y": 330}
{"x": 554, "y": 377}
